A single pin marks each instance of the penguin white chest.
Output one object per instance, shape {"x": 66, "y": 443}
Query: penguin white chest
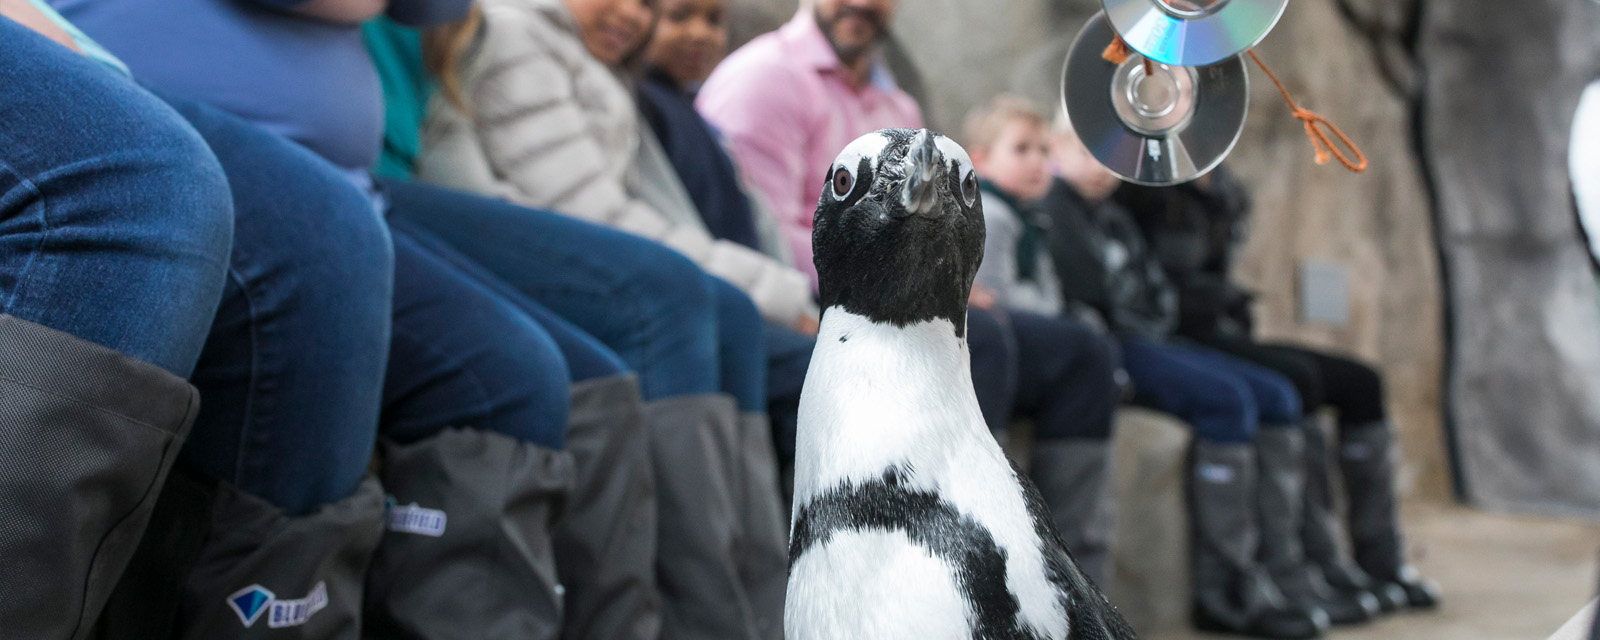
{"x": 909, "y": 520}
{"x": 873, "y": 584}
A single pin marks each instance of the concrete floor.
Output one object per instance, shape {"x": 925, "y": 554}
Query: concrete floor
{"x": 1504, "y": 577}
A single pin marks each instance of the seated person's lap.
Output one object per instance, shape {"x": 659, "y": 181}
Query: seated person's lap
{"x": 132, "y": 253}
{"x": 651, "y": 306}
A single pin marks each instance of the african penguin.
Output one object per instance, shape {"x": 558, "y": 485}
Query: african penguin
{"x": 909, "y": 521}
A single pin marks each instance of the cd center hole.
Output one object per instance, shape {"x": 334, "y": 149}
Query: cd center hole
{"x": 1155, "y": 95}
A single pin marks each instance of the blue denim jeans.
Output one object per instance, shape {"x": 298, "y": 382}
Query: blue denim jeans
{"x": 300, "y": 363}
{"x": 1225, "y": 399}
{"x": 683, "y": 332}
{"x": 1067, "y": 381}
{"x": 115, "y": 220}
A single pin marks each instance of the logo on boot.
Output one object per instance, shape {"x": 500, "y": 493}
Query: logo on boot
{"x": 251, "y": 602}
{"x": 1214, "y": 473}
{"x": 410, "y": 518}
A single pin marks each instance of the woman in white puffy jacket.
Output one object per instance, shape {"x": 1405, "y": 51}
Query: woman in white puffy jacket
{"x": 544, "y": 120}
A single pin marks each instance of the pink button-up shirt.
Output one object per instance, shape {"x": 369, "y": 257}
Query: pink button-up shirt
{"x": 787, "y": 107}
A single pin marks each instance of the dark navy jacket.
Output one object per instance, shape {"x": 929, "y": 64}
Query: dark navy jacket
{"x": 700, "y": 160}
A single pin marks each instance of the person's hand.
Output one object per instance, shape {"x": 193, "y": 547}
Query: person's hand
{"x": 807, "y": 325}
{"x": 23, "y": 13}
{"x": 980, "y": 297}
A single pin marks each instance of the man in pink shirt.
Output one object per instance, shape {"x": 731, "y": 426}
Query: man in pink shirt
{"x": 791, "y": 99}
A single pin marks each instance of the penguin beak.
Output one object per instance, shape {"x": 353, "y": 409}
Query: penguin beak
{"x": 922, "y": 170}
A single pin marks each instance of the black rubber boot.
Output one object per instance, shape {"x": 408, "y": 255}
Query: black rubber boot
{"x": 469, "y": 551}
{"x": 763, "y": 538}
{"x": 606, "y": 540}
{"x": 1074, "y": 477}
{"x": 89, "y": 437}
{"x": 1323, "y": 534}
{"x": 1367, "y": 460}
{"x": 1280, "y": 456}
{"x": 265, "y": 574}
{"x": 693, "y": 440}
{"x": 1232, "y": 593}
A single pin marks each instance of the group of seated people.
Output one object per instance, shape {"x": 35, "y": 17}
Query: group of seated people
{"x": 489, "y": 318}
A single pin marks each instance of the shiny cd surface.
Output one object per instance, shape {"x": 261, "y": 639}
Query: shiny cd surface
{"x": 1193, "y": 33}
{"x": 1161, "y": 128}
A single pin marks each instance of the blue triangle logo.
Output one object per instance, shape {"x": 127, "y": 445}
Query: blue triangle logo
{"x": 250, "y": 602}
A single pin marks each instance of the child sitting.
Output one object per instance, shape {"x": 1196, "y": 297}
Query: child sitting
{"x": 1071, "y": 459}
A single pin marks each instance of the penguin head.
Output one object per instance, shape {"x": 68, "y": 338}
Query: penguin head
{"x": 898, "y": 232}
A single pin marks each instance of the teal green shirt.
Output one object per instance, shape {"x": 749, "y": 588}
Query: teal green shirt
{"x": 397, "y": 53}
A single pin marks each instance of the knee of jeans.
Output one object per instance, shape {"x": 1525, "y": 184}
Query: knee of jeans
{"x": 1102, "y": 357}
{"x": 675, "y": 290}
{"x": 1277, "y": 403}
{"x": 525, "y": 384}
{"x": 1223, "y": 411}
{"x": 737, "y": 314}
{"x": 741, "y": 337}
{"x": 679, "y": 305}
{"x": 198, "y": 208}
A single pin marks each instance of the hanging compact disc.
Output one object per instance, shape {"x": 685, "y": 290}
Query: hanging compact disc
{"x": 1193, "y": 33}
{"x": 1170, "y": 125}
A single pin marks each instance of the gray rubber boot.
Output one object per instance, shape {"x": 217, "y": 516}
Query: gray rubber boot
{"x": 763, "y": 539}
{"x": 1367, "y": 459}
{"x": 262, "y": 574}
{"x": 468, "y": 551}
{"x": 1074, "y": 476}
{"x": 89, "y": 437}
{"x": 1280, "y": 458}
{"x": 606, "y": 541}
{"x": 1232, "y": 592}
{"x": 692, "y": 440}
{"x": 1323, "y": 534}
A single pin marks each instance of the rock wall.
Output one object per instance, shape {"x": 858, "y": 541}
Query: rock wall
{"x": 1500, "y": 84}
{"x": 1376, "y": 224}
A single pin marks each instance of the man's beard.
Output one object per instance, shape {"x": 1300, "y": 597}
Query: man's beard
{"x": 853, "y": 53}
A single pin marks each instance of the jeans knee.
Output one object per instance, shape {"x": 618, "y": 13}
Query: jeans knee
{"x": 522, "y": 385}
{"x": 741, "y": 349}
{"x": 1224, "y": 411}
{"x": 1277, "y": 402}
{"x": 199, "y": 211}
{"x": 674, "y": 287}
{"x": 1103, "y": 358}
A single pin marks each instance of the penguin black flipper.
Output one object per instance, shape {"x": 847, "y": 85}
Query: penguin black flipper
{"x": 1091, "y": 616}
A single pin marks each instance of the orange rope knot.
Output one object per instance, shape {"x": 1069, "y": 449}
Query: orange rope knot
{"x": 1118, "y": 52}
{"x": 1320, "y": 142}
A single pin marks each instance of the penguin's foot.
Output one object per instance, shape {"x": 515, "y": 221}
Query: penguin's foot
{"x": 1286, "y": 623}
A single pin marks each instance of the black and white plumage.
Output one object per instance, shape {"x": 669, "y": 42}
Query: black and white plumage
{"x": 909, "y": 521}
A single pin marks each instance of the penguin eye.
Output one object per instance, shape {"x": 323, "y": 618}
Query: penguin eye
{"x": 969, "y": 188}
{"x": 842, "y": 181}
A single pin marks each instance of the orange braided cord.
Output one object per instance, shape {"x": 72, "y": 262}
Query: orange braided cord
{"x": 1320, "y": 142}
{"x": 1117, "y": 52}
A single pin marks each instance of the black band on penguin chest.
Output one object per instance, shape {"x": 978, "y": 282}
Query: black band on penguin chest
{"x": 978, "y": 564}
